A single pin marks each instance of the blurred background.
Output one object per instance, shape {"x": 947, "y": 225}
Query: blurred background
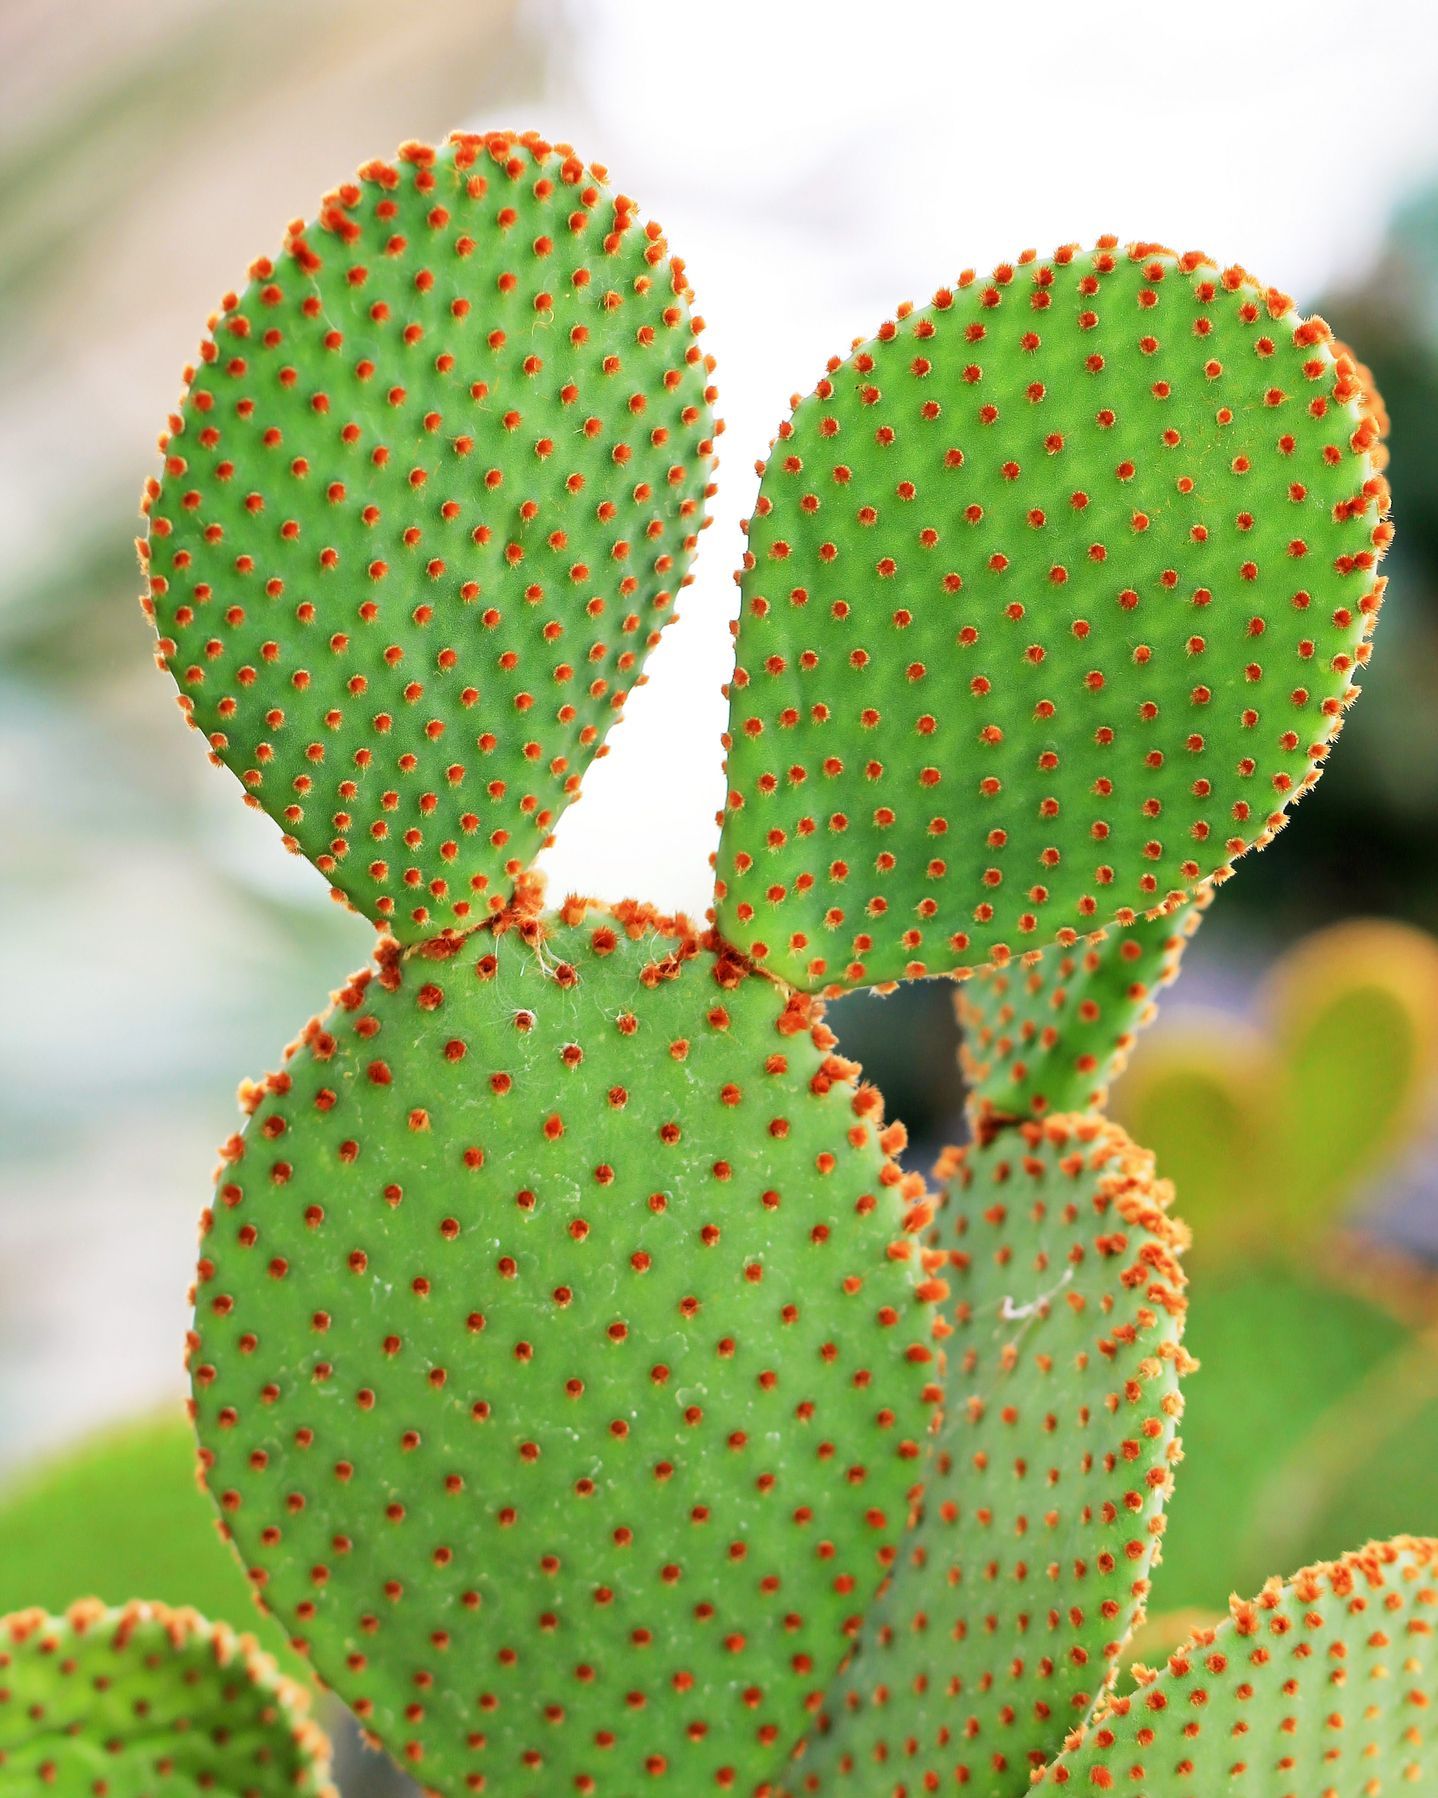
{"x": 814, "y": 166}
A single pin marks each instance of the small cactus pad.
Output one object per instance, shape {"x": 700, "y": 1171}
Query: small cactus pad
{"x": 1324, "y": 1686}
{"x": 148, "y": 1702}
{"x": 563, "y": 1358}
{"x": 1013, "y": 1597}
{"x": 1052, "y": 1035}
{"x": 424, "y": 509}
{"x": 1054, "y": 595}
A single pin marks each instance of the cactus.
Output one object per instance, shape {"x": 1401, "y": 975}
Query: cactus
{"x": 1050, "y": 1037}
{"x": 562, "y": 1354}
{"x": 1067, "y": 1307}
{"x": 424, "y": 509}
{"x": 141, "y": 1701}
{"x": 1322, "y": 1683}
{"x": 583, "y": 1383}
{"x": 1052, "y": 601}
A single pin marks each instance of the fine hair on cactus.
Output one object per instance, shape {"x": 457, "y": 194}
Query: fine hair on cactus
{"x": 593, "y": 1396}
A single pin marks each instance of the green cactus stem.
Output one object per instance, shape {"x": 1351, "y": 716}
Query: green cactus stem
{"x": 148, "y": 1702}
{"x": 426, "y": 504}
{"x": 1321, "y": 1685}
{"x": 1053, "y": 600}
{"x": 1013, "y": 1597}
{"x": 562, "y": 1358}
{"x": 1053, "y": 1035}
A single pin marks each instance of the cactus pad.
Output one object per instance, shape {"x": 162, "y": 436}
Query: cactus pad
{"x": 1041, "y": 1519}
{"x": 146, "y": 1702}
{"x": 562, "y": 1356}
{"x": 424, "y": 508}
{"x": 1054, "y": 595}
{"x": 1051, "y": 1036}
{"x": 1320, "y": 1687}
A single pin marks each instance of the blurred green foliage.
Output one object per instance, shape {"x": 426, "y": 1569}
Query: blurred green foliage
{"x": 1279, "y": 1348}
{"x": 1275, "y": 1127}
{"x": 1312, "y": 1420}
{"x": 122, "y": 1516}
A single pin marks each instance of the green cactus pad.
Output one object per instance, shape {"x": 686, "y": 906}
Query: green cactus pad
{"x": 424, "y": 508}
{"x": 1012, "y": 1599}
{"x": 1054, "y": 595}
{"x": 1051, "y": 1036}
{"x": 562, "y": 1357}
{"x": 1324, "y": 1686}
{"x": 146, "y": 1702}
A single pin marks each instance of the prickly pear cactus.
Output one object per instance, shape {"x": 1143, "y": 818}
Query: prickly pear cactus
{"x": 1052, "y": 1036}
{"x": 431, "y": 491}
{"x": 583, "y": 1384}
{"x": 562, "y": 1356}
{"x": 146, "y": 1702}
{"x": 1322, "y": 1684}
{"x": 1054, "y": 594}
{"x": 1043, "y": 1511}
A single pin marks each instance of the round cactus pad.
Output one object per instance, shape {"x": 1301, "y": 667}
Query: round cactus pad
{"x": 1320, "y": 1687}
{"x": 146, "y": 1702}
{"x": 429, "y": 495}
{"x": 1054, "y": 595}
{"x": 1030, "y": 1564}
{"x": 562, "y": 1357}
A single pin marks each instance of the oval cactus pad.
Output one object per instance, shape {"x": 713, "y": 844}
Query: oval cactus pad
{"x": 147, "y": 1702}
{"x": 1054, "y": 595}
{"x": 1042, "y": 1513}
{"x": 424, "y": 508}
{"x": 562, "y": 1357}
{"x": 1322, "y": 1685}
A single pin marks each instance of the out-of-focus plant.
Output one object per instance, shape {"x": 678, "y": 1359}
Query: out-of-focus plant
{"x": 1318, "y": 1344}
